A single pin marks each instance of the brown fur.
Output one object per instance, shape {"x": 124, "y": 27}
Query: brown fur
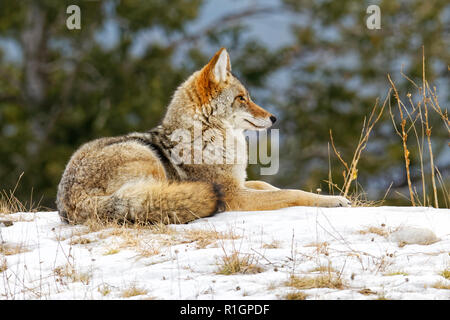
{"x": 257, "y": 111}
{"x": 206, "y": 88}
{"x": 110, "y": 179}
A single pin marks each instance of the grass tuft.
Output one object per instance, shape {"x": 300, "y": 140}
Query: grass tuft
{"x": 321, "y": 281}
{"x": 68, "y": 272}
{"x": 238, "y": 263}
{"x": 441, "y": 285}
{"x": 203, "y": 238}
{"x": 395, "y": 273}
{"x": 295, "y": 295}
{"x": 133, "y": 291}
{"x": 11, "y": 249}
{"x": 3, "y": 264}
{"x": 111, "y": 251}
{"x": 445, "y": 273}
{"x": 9, "y": 203}
{"x": 375, "y": 230}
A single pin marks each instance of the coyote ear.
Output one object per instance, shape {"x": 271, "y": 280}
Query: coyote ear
{"x": 222, "y": 66}
{"x": 218, "y": 66}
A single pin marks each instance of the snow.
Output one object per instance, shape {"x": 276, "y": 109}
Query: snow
{"x": 364, "y": 248}
{"x": 411, "y": 235}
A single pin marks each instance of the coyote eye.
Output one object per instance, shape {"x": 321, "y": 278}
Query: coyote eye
{"x": 241, "y": 98}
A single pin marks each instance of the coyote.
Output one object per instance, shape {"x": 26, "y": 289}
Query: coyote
{"x": 135, "y": 178}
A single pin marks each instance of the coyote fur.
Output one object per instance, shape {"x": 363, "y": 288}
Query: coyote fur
{"x": 134, "y": 177}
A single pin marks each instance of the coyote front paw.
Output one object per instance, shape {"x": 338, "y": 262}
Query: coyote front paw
{"x": 336, "y": 201}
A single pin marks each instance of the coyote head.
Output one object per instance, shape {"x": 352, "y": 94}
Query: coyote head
{"x": 217, "y": 98}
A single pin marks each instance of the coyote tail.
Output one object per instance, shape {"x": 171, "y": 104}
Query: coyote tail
{"x": 146, "y": 201}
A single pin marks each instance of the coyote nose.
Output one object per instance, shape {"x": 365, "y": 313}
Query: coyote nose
{"x": 273, "y": 119}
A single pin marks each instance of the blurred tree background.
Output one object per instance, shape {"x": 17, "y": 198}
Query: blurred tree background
{"x": 314, "y": 64}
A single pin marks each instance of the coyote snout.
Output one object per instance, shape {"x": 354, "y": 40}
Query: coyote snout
{"x": 255, "y": 117}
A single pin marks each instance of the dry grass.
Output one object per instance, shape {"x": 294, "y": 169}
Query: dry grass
{"x": 375, "y": 230}
{"x": 74, "y": 235}
{"x": 272, "y": 286}
{"x": 160, "y": 228}
{"x": 67, "y": 271}
{"x": 146, "y": 249}
{"x": 235, "y": 263}
{"x": 395, "y": 273}
{"x": 445, "y": 273}
{"x": 12, "y": 249}
{"x": 416, "y": 118}
{"x": 116, "y": 227}
{"x": 9, "y": 203}
{"x": 111, "y": 251}
{"x": 404, "y": 137}
{"x": 295, "y": 295}
{"x": 81, "y": 240}
{"x": 104, "y": 289}
{"x": 350, "y": 172}
{"x": 147, "y": 240}
{"x": 412, "y": 122}
{"x": 441, "y": 285}
{"x": 203, "y": 237}
{"x": 96, "y": 224}
{"x": 133, "y": 291}
{"x": 3, "y": 264}
{"x": 275, "y": 244}
{"x": 310, "y": 282}
{"x": 367, "y": 292}
{"x": 321, "y": 247}
{"x": 136, "y": 239}
{"x": 324, "y": 269}
{"x": 382, "y": 296}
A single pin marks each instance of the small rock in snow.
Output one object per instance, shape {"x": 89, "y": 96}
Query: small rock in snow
{"x": 413, "y": 235}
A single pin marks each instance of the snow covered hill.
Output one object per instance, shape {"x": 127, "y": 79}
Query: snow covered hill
{"x": 294, "y": 253}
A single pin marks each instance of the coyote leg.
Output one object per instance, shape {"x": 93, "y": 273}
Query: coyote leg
{"x": 259, "y": 185}
{"x": 253, "y": 200}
